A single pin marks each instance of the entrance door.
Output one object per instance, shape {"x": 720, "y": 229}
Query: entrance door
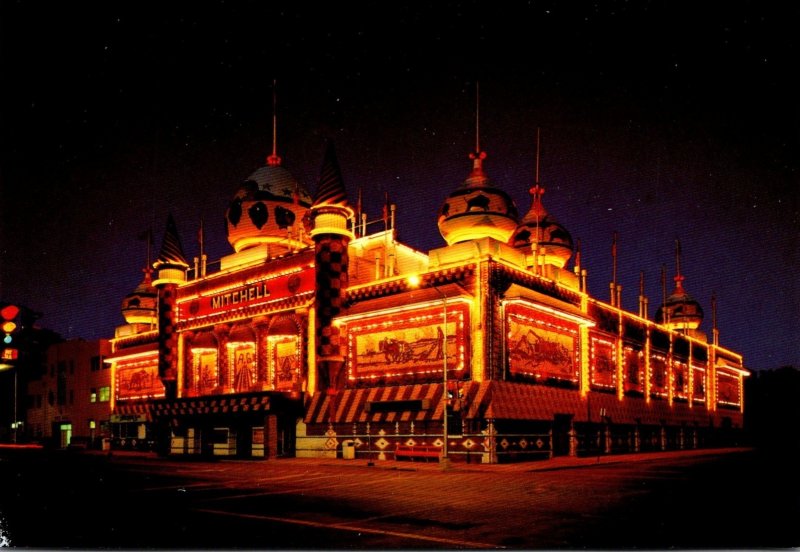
{"x": 66, "y": 435}
{"x": 562, "y": 423}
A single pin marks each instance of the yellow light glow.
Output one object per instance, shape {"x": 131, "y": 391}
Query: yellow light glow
{"x": 312, "y": 351}
{"x": 583, "y": 322}
{"x": 239, "y": 283}
{"x": 584, "y": 348}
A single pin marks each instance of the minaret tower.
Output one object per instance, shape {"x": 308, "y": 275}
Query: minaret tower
{"x": 329, "y": 218}
{"x": 170, "y": 268}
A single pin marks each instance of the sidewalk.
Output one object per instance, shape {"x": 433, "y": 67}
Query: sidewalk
{"x": 557, "y": 463}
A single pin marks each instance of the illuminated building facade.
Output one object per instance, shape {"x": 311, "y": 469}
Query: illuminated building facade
{"x": 69, "y": 404}
{"x": 313, "y": 339}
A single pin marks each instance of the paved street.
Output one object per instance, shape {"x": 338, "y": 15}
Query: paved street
{"x": 715, "y": 499}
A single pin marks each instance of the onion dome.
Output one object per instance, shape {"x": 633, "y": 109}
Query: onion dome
{"x": 539, "y": 229}
{"x": 679, "y": 311}
{"x": 141, "y": 305}
{"x": 267, "y": 208}
{"x": 477, "y": 209}
{"x": 171, "y": 264}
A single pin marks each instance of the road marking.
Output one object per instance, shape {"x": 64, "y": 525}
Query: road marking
{"x": 295, "y": 490}
{"x": 356, "y": 529}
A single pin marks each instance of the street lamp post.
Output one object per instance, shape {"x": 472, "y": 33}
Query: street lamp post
{"x": 414, "y": 281}
{"x": 445, "y": 436}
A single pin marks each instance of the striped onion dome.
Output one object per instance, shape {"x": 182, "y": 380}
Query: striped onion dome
{"x": 541, "y": 229}
{"x": 477, "y": 209}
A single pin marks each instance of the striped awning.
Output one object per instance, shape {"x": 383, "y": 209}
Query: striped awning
{"x": 505, "y": 400}
{"x": 400, "y": 403}
{"x": 133, "y": 411}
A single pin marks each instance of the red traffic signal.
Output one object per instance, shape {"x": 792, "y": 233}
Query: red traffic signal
{"x": 9, "y": 312}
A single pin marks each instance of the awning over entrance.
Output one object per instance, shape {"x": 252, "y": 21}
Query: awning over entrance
{"x": 401, "y": 403}
{"x": 132, "y": 412}
{"x": 506, "y": 400}
{"x": 217, "y": 405}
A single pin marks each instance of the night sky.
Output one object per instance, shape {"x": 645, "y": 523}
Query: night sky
{"x": 659, "y": 121}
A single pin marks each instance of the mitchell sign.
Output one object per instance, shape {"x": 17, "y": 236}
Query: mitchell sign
{"x": 248, "y": 294}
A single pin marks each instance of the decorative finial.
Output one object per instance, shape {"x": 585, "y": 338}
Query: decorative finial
{"x": 537, "y": 154}
{"x": 678, "y": 277}
{"x": 478, "y": 156}
{"x": 477, "y": 117}
{"x": 274, "y": 159}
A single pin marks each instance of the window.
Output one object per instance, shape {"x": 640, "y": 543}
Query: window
{"x": 105, "y": 394}
{"x": 95, "y": 363}
{"x": 93, "y": 395}
{"x": 71, "y": 396}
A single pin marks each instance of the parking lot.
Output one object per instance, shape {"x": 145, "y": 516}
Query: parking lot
{"x": 704, "y": 499}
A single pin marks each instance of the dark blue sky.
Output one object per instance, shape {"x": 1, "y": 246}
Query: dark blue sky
{"x": 659, "y": 120}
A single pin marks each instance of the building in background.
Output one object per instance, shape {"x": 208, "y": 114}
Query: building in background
{"x": 322, "y": 335}
{"x": 69, "y": 405}
{"x": 22, "y": 359}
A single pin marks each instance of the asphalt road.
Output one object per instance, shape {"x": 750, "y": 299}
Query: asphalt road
{"x": 741, "y": 500}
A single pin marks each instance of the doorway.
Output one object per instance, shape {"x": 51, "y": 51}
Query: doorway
{"x": 562, "y": 426}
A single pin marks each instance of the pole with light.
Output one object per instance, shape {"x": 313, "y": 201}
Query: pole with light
{"x": 414, "y": 281}
{"x": 8, "y": 314}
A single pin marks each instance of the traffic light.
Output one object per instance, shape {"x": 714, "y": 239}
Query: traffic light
{"x": 9, "y": 313}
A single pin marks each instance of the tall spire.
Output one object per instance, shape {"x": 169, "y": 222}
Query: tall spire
{"x": 330, "y": 190}
{"x": 538, "y": 144}
{"x": 477, "y": 117}
{"x": 477, "y": 177}
{"x": 536, "y": 195}
{"x": 330, "y": 211}
{"x": 274, "y": 159}
{"x": 678, "y": 277}
{"x": 614, "y": 292}
{"x": 171, "y": 249}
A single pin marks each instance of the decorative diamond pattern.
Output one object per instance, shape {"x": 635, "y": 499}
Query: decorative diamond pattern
{"x": 469, "y": 443}
{"x": 411, "y": 442}
{"x": 381, "y": 443}
{"x": 523, "y": 444}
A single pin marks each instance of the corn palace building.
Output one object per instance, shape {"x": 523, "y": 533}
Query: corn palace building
{"x": 318, "y": 338}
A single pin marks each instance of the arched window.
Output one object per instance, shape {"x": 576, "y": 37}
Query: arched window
{"x": 242, "y": 358}
{"x": 205, "y": 364}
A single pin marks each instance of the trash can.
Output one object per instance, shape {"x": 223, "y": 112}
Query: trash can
{"x": 349, "y": 450}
